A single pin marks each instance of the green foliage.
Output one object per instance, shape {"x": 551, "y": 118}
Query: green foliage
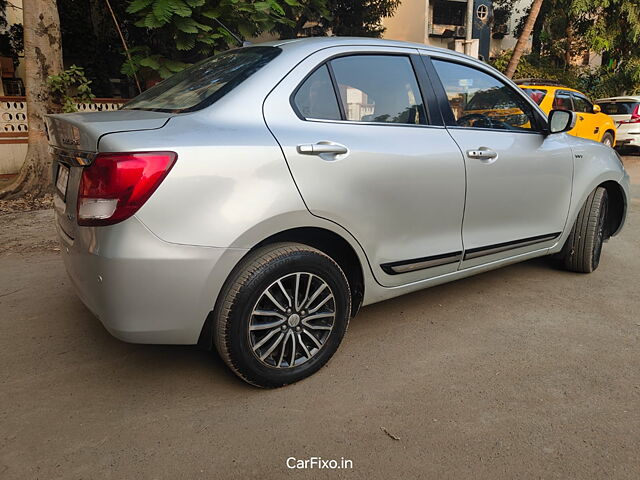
{"x": 361, "y": 19}
{"x": 181, "y": 32}
{"x": 604, "y": 81}
{"x": 612, "y": 24}
{"x": 566, "y": 30}
{"x": 534, "y": 66}
{"x": 71, "y": 87}
{"x": 89, "y": 38}
{"x": 337, "y": 17}
{"x": 611, "y": 81}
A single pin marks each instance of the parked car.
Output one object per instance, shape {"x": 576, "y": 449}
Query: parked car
{"x": 625, "y": 111}
{"x": 591, "y": 124}
{"x": 254, "y": 201}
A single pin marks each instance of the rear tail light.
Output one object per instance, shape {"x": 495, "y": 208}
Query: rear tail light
{"x": 635, "y": 116}
{"x": 116, "y": 185}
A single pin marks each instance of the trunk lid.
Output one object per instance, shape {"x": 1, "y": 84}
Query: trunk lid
{"x": 75, "y": 138}
{"x": 82, "y": 131}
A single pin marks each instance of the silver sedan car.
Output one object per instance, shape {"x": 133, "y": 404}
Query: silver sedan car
{"x": 255, "y": 201}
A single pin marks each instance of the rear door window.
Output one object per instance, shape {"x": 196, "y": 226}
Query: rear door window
{"x": 536, "y": 94}
{"x": 316, "y": 98}
{"x": 379, "y": 88}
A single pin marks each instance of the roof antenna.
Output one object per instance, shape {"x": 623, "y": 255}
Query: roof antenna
{"x": 238, "y": 39}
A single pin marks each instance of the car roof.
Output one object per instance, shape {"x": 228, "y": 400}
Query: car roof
{"x": 315, "y": 43}
{"x": 547, "y": 82}
{"x": 626, "y": 98}
{"x": 550, "y": 88}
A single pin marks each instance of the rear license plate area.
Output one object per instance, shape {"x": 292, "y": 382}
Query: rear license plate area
{"x": 62, "y": 180}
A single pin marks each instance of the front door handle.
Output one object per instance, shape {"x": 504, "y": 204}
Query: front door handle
{"x": 482, "y": 153}
{"x": 322, "y": 147}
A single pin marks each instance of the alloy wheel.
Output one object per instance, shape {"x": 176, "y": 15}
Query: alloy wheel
{"x": 292, "y": 320}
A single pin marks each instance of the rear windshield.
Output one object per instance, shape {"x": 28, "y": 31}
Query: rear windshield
{"x": 618, "y": 108}
{"x": 536, "y": 94}
{"x": 205, "y": 82}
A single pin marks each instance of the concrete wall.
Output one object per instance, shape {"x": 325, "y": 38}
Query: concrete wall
{"x": 12, "y": 157}
{"x": 509, "y": 41}
{"x": 409, "y": 23}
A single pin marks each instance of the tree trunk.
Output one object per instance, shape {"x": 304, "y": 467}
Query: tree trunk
{"x": 42, "y": 57}
{"x": 523, "y": 39}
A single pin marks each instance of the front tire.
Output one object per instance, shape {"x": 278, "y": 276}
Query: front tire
{"x": 282, "y": 314}
{"x": 581, "y": 252}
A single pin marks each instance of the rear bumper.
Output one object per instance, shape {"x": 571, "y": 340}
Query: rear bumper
{"x": 628, "y": 138}
{"x": 142, "y": 289}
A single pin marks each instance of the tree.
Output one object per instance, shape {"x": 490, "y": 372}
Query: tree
{"x": 523, "y": 39}
{"x": 613, "y": 31}
{"x": 43, "y": 57}
{"x": 88, "y": 33}
{"x": 177, "y": 33}
{"x": 302, "y": 12}
{"x": 361, "y": 19}
{"x": 181, "y": 32}
{"x": 338, "y": 17}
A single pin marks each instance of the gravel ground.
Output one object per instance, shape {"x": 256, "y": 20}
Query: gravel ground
{"x": 523, "y": 372}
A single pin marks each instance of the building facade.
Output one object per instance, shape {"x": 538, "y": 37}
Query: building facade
{"x": 11, "y": 76}
{"x": 443, "y": 23}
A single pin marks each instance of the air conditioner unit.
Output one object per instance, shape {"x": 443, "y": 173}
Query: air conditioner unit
{"x": 460, "y": 32}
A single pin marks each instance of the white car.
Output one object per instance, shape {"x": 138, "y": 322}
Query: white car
{"x": 625, "y": 111}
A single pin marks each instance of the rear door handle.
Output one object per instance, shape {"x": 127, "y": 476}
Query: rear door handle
{"x": 320, "y": 148}
{"x": 482, "y": 153}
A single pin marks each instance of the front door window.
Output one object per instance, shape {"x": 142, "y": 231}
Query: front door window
{"x": 482, "y": 101}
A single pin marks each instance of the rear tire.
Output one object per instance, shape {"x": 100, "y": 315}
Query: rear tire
{"x": 607, "y": 139}
{"x": 271, "y": 327}
{"x": 581, "y": 252}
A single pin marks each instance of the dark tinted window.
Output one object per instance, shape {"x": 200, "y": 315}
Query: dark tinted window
{"x": 481, "y": 100}
{"x": 581, "y": 104}
{"x": 449, "y": 13}
{"x": 562, "y": 101}
{"x": 618, "y": 108}
{"x": 206, "y": 81}
{"x": 316, "y": 98}
{"x": 536, "y": 94}
{"x": 379, "y": 88}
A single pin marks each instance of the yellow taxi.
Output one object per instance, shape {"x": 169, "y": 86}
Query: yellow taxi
{"x": 591, "y": 122}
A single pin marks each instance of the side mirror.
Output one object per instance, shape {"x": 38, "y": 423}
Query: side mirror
{"x": 596, "y": 109}
{"x": 561, "y": 121}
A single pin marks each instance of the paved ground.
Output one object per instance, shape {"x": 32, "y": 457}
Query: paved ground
{"x": 524, "y": 372}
